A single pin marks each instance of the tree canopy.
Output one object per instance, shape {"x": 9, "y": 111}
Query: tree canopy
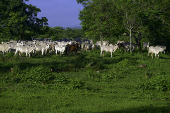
{"x": 19, "y": 20}
{"x": 142, "y": 20}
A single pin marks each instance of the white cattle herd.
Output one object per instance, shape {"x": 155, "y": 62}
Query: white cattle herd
{"x": 44, "y": 46}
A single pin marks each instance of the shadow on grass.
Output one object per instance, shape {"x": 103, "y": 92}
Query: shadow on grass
{"x": 72, "y": 62}
{"x": 163, "y": 57}
{"x": 143, "y": 109}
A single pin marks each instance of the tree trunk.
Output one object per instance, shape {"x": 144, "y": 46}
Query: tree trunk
{"x": 101, "y": 39}
{"x": 130, "y": 41}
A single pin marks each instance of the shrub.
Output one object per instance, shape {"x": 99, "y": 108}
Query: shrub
{"x": 76, "y": 84}
{"x": 124, "y": 63}
{"x": 38, "y": 74}
{"x": 160, "y": 83}
{"x": 112, "y": 74}
{"x": 61, "y": 79}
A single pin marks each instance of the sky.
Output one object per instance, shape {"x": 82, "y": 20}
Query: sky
{"x": 62, "y": 13}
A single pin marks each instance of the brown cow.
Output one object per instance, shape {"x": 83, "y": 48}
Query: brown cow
{"x": 71, "y": 48}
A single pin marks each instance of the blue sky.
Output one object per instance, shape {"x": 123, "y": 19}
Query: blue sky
{"x": 58, "y": 12}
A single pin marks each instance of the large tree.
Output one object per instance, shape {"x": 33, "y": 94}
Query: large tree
{"x": 20, "y": 19}
{"x": 100, "y": 19}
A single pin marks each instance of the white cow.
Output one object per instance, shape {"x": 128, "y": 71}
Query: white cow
{"x": 154, "y": 50}
{"x": 60, "y": 48}
{"x": 110, "y": 48}
{"x": 42, "y": 48}
{"x": 4, "y": 47}
{"x": 25, "y": 49}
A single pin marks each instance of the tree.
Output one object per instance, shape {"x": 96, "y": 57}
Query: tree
{"x": 100, "y": 19}
{"x": 20, "y": 19}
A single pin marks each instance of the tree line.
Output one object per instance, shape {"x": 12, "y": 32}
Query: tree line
{"x": 135, "y": 20}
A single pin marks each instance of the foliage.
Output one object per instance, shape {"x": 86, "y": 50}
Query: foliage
{"x": 39, "y": 74}
{"x": 159, "y": 82}
{"x": 113, "y": 82}
{"x": 61, "y": 79}
{"x": 109, "y": 19}
{"x": 99, "y": 19}
{"x": 76, "y": 84}
{"x": 124, "y": 63}
{"x": 19, "y": 19}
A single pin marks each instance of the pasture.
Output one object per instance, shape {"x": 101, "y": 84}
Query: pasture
{"x": 87, "y": 83}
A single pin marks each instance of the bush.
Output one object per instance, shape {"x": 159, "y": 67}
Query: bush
{"x": 38, "y": 74}
{"x": 76, "y": 84}
{"x": 124, "y": 63}
{"x": 112, "y": 74}
{"x": 160, "y": 83}
{"x": 61, "y": 79}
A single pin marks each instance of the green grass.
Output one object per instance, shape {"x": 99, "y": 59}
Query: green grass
{"x": 119, "y": 86}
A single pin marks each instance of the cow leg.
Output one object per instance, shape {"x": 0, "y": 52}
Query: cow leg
{"x": 56, "y": 52}
{"x": 42, "y": 52}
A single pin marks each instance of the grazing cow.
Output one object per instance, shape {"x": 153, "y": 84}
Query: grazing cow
{"x": 111, "y": 48}
{"x": 25, "y": 49}
{"x": 42, "y": 48}
{"x": 60, "y": 48}
{"x": 155, "y": 50}
{"x": 71, "y": 48}
{"x": 4, "y": 47}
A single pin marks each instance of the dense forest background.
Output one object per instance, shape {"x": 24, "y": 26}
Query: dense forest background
{"x": 130, "y": 20}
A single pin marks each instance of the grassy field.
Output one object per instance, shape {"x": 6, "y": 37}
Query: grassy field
{"x": 85, "y": 83}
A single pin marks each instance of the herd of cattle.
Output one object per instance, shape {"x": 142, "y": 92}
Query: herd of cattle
{"x": 65, "y": 45}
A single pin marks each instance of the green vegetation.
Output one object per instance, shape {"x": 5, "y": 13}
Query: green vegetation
{"x": 88, "y": 83}
{"x": 135, "y": 20}
{"x": 85, "y": 83}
